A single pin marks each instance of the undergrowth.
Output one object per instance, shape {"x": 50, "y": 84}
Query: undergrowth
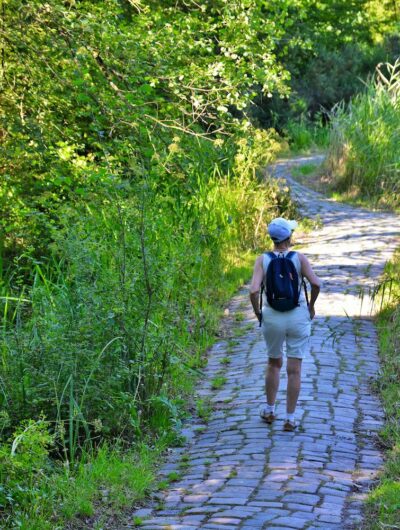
{"x": 106, "y": 337}
{"x": 305, "y": 136}
{"x": 39, "y": 493}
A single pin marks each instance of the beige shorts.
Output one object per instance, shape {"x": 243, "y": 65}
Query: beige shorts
{"x": 294, "y": 327}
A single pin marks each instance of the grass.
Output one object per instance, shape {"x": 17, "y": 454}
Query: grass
{"x": 242, "y": 330}
{"x": 174, "y": 476}
{"x": 305, "y": 170}
{"x": 312, "y": 176}
{"x": 204, "y": 409}
{"x": 384, "y": 500}
{"x": 136, "y": 375}
{"x": 305, "y": 136}
{"x": 364, "y": 152}
{"x": 320, "y": 178}
{"x": 231, "y": 344}
{"x": 225, "y": 360}
{"x": 218, "y": 382}
{"x": 111, "y": 477}
{"x": 102, "y": 484}
{"x": 362, "y": 169}
{"x": 354, "y": 198}
{"x": 184, "y": 463}
{"x": 108, "y": 481}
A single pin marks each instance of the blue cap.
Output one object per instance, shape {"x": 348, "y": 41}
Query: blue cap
{"x": 280, "y": 229}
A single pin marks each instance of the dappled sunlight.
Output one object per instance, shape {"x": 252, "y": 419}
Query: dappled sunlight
{"x": 346, "y": 304}
{"x": 239, "y": 471}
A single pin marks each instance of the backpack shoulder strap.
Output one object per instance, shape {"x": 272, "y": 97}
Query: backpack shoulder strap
{"x": 269, "y": 255}
{"x": 302, "y": 283}
{"x": 266, "y": 264}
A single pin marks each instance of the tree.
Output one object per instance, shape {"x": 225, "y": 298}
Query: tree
{"x": 93, "y": 91}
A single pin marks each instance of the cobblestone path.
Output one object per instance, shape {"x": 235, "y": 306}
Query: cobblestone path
{"x": 239, "y": 473}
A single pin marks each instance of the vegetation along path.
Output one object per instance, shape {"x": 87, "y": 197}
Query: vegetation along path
{"x": 238, "y": 472}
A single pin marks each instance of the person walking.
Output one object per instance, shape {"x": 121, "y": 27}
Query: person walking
{"x": 289, "y": 321}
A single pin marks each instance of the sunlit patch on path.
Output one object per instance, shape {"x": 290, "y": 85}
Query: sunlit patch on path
{"x": 237, "y": 472}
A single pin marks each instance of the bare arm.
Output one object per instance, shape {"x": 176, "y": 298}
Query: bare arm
{"x": 315, "y": 282}
{"x": 255, "y": 286}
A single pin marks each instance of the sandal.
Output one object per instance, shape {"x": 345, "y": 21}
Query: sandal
{"x": 289, "y": 426}
{"x": 268, "y": 417}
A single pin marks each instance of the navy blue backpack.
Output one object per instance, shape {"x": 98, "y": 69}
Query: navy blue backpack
{"x": 281, "y": 282}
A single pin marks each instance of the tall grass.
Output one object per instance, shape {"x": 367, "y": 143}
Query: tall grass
{"x": 364, "y": 153}
{"x": 108, "y": 337}
{"x": 383, "y": 501}
{"x": 305, "y": 135}
{"x": 37, "y": 493}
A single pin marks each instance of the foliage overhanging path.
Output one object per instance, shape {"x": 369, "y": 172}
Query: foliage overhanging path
{"x": 240, "y": 473}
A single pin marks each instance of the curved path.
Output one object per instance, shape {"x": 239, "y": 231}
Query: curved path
{"x": 237, "y": 472}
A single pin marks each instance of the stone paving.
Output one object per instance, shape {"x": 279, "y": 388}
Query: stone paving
{"x": 239, "y": 473}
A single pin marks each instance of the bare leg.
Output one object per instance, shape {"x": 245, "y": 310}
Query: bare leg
{"x": 293, "y": 384}
{"x": 272, "y": 379}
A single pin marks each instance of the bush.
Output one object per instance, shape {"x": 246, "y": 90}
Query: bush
{"x": 108, "y": 339}
{"x": 112, "y": 477}
{"x": 130, "y": 201}
{"x": 334, "y": 75}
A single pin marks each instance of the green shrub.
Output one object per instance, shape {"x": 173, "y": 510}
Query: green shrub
{"x": 108, "y": 339}
{"x": 321, "y": 76}
{"x": 332, "y": 75}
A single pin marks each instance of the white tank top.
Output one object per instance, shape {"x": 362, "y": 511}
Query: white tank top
{"x": 296, "y": 261}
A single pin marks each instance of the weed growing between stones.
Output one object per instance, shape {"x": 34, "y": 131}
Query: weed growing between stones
{"x": 174, "y": 476}
{"x": 218, "y": 382}
{"x": 204, "y": 408}
{"x": 225, "y": 360}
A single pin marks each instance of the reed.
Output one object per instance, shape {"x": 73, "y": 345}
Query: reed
{"x": 364, "y": 154}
